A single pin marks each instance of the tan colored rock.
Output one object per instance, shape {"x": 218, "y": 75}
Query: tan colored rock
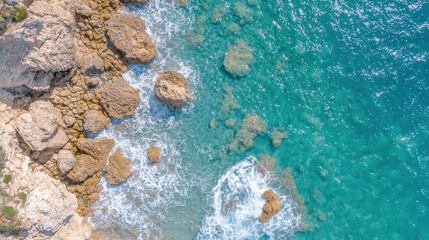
{"x": 128, "y": 35}
{"x": 171, "y": 88}
{"x": 65, "y": 161}
{"x": 82, "y": 9}
{"x": 118, "y": 98}
{"x": 85, "y": 167}
{"x": 94, "y": 121}
{"x": 39, "y": 127}
{"x": 271, "y": 207}
{"x": 118, "y": 169}
{"x": 153, "y": 154}
{"x": 137, "y": 1}
{"x": 97, "y": 148}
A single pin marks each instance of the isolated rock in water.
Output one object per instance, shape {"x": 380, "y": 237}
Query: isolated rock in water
{"x": 271, "y": 207}
{"x": 171, "y": 88}
{"x": 128, "y": 35}
{"x": 250, "y": 128}
{"x": 39, "y": 127}
{"x": 118, "y": 98}
{"x": 85, "y": 167}
{"x": 41, "y": 48}
{"x": 65, "y": 161}
{"x": 153, "y": 154}
{"x": 238, "y": 58}
{"x": 97, "y": 148}
{"x": 94, "y": 121}
{"x": 118, "y": 169}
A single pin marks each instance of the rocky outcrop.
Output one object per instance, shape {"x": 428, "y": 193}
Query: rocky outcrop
{"x": 171, "y": 88}
{"x": 118, "y": 98}
{"x": 97, "y": 148}
{"x": 129, "y": 37}
{"x": 65, "y": 161}
{"x": 39, "y": 127}
{"x": 41, "y": 49}
{"x": 85, "y": 167}
{"x": 238, "y": 59}
{"x": 271, "y": 207}
{"x": 153, "y": 154}
{"x": 118, "y": 169}
{"x": 94, "y": 121}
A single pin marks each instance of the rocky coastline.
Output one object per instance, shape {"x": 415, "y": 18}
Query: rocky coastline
{"x": 61, "y": 69}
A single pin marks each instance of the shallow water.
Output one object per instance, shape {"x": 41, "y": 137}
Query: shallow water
{"x": 346, "y": 81}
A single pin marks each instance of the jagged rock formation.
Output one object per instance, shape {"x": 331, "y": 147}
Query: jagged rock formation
{"x": 118, "y": 169}
{"x": 128, "y": 35}
{"x": 171, "y": 88}
{"x": 271, "y": 207}
{"x": 41, "y": 49}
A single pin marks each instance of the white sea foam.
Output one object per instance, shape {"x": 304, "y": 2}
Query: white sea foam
{"x": 136, "y": 208}
{"x": 237, "y": 202}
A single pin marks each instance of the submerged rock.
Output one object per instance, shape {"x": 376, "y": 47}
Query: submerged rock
{"x": 95, "y": 121}
{"x": 238, "y": 58}
{"x": 118, "y": 98}
{"x": 39, "y": 127}
{"x": 129, "y": 36}
{"x": 277, "y": 137}
{"x": 271, "y": 207}
{"x": 153, "y": 154}
{"x": 171, "y": 88}
{"x": 118, "y": 169}
{"x": 250, "y": 128}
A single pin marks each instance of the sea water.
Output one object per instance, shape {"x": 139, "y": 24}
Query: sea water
{"x": 341, "y": 91}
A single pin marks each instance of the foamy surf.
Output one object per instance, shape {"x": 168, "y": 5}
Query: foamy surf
{"x": 237, "y": 203}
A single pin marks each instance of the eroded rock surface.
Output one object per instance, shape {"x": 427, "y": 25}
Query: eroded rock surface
{"x": 39, "y": 127}
{"x": 128, "y": 35}
{"x": 118, "y": 98}
{"x": 153, "y": 154}
{"x": 118, "y": 169}
{"x": 171, "y": 88}
{"x": 271, "y": 207}
{"x": 65, "y": 161}
{"x": 40, "y": 49}
{"x": 97, "y": 148}
{"x": 95, "y": 121}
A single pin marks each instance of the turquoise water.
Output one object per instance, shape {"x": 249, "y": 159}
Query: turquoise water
{"x": 346, "y": 81}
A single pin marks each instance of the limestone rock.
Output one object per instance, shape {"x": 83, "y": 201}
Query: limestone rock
{"x": 41, "y": 48}
{"x": 238, "y": 58}
{"x": 118, "y": 169}
{"x": 153, "y": 154}
{"x": 89, "y": 60}
{"x": 171, "y": 88}
{"x": 65, "y": 161}
{"x": 82, "y": 9}
{"x": 128, "y": 35}
{"x": 271, "y": 207}
{"x": 94, "y": 121}
{"x": 118, "y": 98}
{"x": 97, "y": 148}
{"x": 39, "y": 127}
{"x": 85, "y": 167}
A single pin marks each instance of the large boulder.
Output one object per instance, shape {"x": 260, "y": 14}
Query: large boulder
{"x": 94, "y": 121}
{"x": 85, "y": 167}
{"x": 65, "y": 161}
{"x": 118, "y": 169}
{"x": 97, "y": 148}
{"x": 171, "y": 88}
{"x": 39, "y": 127}
{"x": 118, "y": 98}
{"x": 271, "y": 207}
{"x": 128, "y": 35}
{"x": 40, "y": 49}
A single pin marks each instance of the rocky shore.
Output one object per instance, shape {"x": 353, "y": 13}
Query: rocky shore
{"x": 61, "y": 69}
